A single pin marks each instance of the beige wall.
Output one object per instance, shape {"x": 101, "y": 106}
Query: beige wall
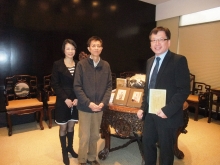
{"x": 173, "y": 25}
{"x": 175, "y": 8}
{"x": 201, "y": 45}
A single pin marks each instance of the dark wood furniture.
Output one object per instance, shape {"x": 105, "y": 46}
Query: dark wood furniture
{"x": 49, "y": 99}
{"x": 22, "y": 97}
{"x": 214, "y": 92}
{"x": 127, "y": 126}
{"x": 199, "y": 97}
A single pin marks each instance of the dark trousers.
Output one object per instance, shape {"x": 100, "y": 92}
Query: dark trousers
{"x": 155, "y": 132}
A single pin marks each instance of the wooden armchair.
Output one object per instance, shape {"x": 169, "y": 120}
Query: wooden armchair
{"x": 199, "y": 97}
{"x": 49, "y": 98}
{"x": 22, "y": 97}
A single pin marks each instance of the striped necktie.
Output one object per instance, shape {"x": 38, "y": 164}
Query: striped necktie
{"x": 154, "y": 74}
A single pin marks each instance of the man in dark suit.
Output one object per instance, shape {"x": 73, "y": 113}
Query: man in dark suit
{"x": 172, "y": 75}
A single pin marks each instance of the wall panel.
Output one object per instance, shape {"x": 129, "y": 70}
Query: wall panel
{"x": 200, "y": 44}
{"x": 173, "y": 25}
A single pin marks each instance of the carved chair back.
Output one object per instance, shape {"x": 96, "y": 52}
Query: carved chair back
{"x": 22, "y": 97}
{"x": 199, "y": 97}
{"x": 49, "y": 98}
{"x": 21, "y": 87}
{"x": 192, "y": 81}
{"x": 48, "y": 90}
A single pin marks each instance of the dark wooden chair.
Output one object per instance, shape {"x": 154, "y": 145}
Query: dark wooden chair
{"x": 214, "y": 101}
{"x": 22, "y": 97}
{"x": 49, "y": 98}
{"x": 199, "y": 97}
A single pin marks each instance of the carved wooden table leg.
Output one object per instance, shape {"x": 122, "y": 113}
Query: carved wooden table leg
{"x": 177, "y": 152}
{"x": 103, "y": 154}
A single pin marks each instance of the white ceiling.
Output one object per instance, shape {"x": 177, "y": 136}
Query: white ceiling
{"x": 155, "y": 2}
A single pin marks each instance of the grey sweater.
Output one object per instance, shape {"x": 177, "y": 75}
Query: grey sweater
{"x": 92, "y": 84}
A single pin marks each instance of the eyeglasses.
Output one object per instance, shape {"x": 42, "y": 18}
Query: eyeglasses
{"x": 161, "y": 40}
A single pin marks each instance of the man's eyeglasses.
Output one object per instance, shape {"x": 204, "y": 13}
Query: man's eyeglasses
{"x": 161, "y": 40}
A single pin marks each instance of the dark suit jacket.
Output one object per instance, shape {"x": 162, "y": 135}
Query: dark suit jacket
{"x": 173, "y": 76}
{"x": 62, "y": 84}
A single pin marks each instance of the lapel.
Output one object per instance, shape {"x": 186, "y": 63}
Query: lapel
{"x": 150, "y": 63}
{"x": 163, "y": 65}
{"x": 64, "y": 69}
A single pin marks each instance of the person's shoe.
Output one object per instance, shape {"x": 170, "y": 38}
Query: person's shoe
{"x": 72, "y": 152}
{"x": 94, "y": 162}
{"x": 66, "y": 160}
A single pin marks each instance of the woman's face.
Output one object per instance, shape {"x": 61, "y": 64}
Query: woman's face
{"x": 69, "y": 50}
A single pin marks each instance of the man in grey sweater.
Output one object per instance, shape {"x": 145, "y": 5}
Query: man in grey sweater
{"x": 92, "y": 86}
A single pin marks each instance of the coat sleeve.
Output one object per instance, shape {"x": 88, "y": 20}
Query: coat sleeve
{"x": 107, "y": 94}
{"x": 78, "y": 86}
{"x": 182, "y": 87}
{"x": 56, "y": 83}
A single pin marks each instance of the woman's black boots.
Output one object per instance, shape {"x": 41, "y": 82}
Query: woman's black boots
{"x": 70, "y": 145}
{"x": 66, "y": 160}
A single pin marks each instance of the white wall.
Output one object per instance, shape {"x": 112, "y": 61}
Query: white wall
{"x": 174, "y": 8}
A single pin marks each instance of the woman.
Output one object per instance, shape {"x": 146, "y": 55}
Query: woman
{"x": 66, "y": 113}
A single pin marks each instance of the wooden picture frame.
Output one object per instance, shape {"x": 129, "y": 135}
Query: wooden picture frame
{"x": 121, "y": 95}
{"x": 121, "y": 82}
{"x": 135, "y": 98}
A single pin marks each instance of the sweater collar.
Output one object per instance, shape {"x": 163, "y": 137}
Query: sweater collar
{"x": 100, "y": 64}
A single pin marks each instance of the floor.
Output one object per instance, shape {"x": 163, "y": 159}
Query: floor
{"x": 29, "y": 145}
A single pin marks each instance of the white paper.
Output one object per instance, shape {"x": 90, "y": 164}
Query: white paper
{"x": 112, "y": 97}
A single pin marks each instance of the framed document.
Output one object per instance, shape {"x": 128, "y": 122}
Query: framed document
{"x": 157, "y": 100}
{"x": 135, "y": 97}
{"x": 121, "y": 82}
{"x": 121, "y": 95}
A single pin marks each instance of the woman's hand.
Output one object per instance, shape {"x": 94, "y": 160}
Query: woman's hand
{"x": 75, "y": 101}
{"x": 69, "y": 103}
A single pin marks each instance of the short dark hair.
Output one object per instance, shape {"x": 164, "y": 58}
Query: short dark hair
{"x": 161, "y": 28}
{"x": 69, "y": 41}
{"x": 94, "y": 38}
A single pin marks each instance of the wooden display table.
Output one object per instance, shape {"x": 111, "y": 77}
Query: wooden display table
{"x": 127, "y": 126}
